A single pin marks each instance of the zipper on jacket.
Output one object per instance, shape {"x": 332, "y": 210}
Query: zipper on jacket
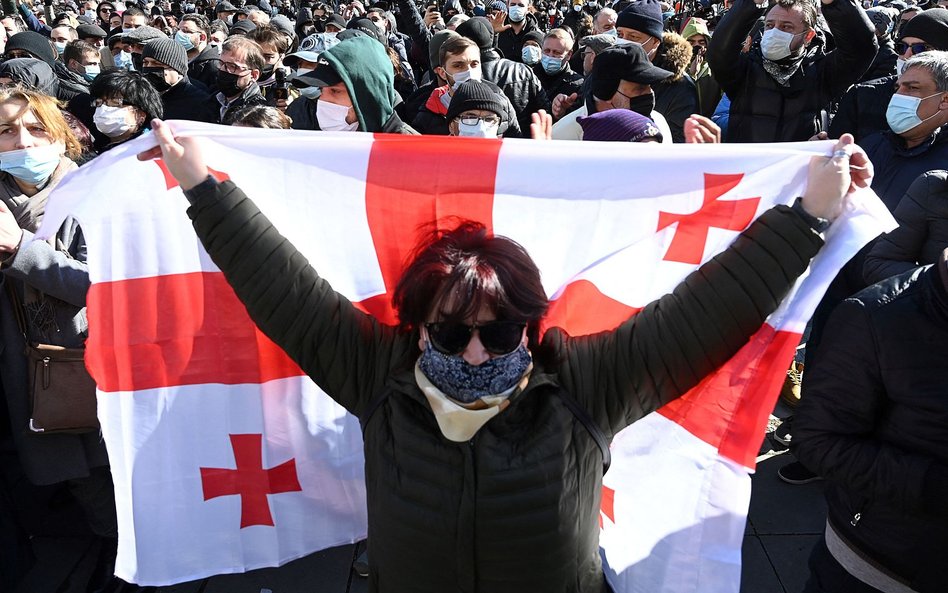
{"x": 855, "y": 519}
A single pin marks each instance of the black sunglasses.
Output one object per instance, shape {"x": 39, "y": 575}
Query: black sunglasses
{"x": 497, "y": 337}
{"x": 917, "y": 48}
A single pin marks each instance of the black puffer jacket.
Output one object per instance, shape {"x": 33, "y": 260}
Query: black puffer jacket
{"x": 518, "y": 82}
{"x": 189, "y": 101}
{"x": 922, "y": 233}
{"x": 862, "y": 109}
{"x": 883, "y": 65}
{"x": 516, "y": 508}
{"x": 897, "y": 166}
{"x": 762, "y": 110}
{"x": 873, "y": 420}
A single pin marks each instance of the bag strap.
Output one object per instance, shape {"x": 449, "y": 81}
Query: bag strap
{"x": 591, "y": 427}
{"x": 18, "y": 311}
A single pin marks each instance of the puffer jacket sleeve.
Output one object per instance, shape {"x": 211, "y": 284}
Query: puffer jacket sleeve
{"x": 844, "y": 396}
{"x": 674, "y": 342}
{"x": 856, "y": 47}
{"x": 346, "y": 352}
{"x": 727, "y": 62}
{"x": 900, "y": 250}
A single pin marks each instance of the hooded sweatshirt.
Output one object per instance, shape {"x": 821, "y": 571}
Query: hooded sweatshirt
{"x": 33, "y": 73}
{"x": 367, "y": 72}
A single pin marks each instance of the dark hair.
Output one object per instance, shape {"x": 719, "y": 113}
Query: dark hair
{"x": 807, "y": 8}
{"x": 454, "y": 46}
{"x": 217, "y": 26}
{"x": 76, "y": 50}
{"x": 134, "y": 89}
{"x": 133, "y": 11}
{"x": 270, "y": 35}
{"x": 200, "y": 21}
{"x": 476, "y": 269}
{"x": 259, "y": 116}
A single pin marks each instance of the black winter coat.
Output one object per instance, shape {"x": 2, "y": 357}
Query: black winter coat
{"x": 518, "y": 82}
{"x": 70, "y": 83}
{"x": 896, "y": 166}
{"x": 510, "y": 43}
{"x": 922, "y": 233}
{"x": 204, "y": 67}
{"x": 883, "y": 65}
{"x": 862, "y": 109}
{"x": 566, "y": 81}
{"x": 516, "y": 508}
{"x": 873, "y": 420}
{"x": 189, "y": 101}
{"x": 763, "y": 110}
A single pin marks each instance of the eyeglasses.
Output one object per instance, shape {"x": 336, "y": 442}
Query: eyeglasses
{"x": 497, "y": 337}
{"x": 917, "y": 48}
{"x": 472, "y": 120}
{"x": 232, "y": 68}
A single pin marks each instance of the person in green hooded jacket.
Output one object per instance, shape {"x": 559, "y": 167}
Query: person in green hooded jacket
{"x": 709, "y": 91}
{"x": 357, "y": 83}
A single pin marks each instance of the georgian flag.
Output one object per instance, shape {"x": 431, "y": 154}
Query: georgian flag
{"x": 226, "y": 458}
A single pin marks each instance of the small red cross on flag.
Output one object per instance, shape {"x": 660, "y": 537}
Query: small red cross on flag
{"x": 250, "y": 481}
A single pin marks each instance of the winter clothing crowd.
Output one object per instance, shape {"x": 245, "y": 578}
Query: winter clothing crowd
{"x": 872, "y": 420}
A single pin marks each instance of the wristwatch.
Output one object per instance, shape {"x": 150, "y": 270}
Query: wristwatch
{"x": 816, "y": 223}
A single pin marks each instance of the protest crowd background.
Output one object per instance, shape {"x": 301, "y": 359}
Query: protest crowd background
{"x": 870, "y": 385}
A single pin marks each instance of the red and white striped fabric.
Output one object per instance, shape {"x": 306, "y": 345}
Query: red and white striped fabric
{"x": 226, "y": 459}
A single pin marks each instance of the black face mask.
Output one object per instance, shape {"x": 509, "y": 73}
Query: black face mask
{"x": 138, "y": 60}
{"x": 643, "y": 104}
{"x": 267, "y": 72}
{"x": 156, "y": 76}
{"x": 227, "y": 83}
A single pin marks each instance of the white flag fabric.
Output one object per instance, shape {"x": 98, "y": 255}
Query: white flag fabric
{"x": 226, "y": 458}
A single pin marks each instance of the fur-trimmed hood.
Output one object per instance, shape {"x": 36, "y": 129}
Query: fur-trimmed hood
{"x": 674, "y": 55}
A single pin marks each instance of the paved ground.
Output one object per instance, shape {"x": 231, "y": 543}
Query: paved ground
{"x": 784, "y": 523}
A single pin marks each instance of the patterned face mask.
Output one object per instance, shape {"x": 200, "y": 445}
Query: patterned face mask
{"x": 465, "y": 382}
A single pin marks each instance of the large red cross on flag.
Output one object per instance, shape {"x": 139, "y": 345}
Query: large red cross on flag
{"x": 225, "y": 458}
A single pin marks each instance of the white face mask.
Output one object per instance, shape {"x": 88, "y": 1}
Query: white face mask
{"x": 899, "y": 66}
{"x": 113, "y": 121}
{"x": 332, "y": 117}
{"x": 462, "y": 77}
{"x": 517, "y": 13}
{"x": 775, "y": 44}
{"x": 481, "y": 129}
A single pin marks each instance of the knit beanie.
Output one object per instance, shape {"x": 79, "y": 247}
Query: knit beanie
{"x": 477, "y": 94}
{"x": 169, "y": 52}
{"x": 534, "y": 36}
{"x": 434, "y": 46}
{"x": 478, "y": 30}
{"x": 35, "y": 44}
{"x": 931, "y": 26}
{"x": 499, "y": 5}
{"x": 618, "y": 125}
{"x": 644, "y": 16}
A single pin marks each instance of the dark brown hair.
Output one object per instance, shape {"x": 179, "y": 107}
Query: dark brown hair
{"x": 474, "y": 269}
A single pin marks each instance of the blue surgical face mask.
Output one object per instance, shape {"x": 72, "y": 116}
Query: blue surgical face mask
{"x": 551, "y": 65}
{"x": 32, "y": 165}
{"x": 123, "y": 60}
{"x": 465, "y": 382}
{"x": 517, "y": 13}
{"x": 311, "y": 92}
{"x": 60, "y": 47}
{"x": 902, "y": 112}
{"x": 613, "y": 32}
{"x": 91, "y": 72}
{"x": 530, "y": 54}
{"x": 184, "y": 40}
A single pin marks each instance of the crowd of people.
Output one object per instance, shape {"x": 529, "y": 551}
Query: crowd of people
{"x": 77, "y": 79}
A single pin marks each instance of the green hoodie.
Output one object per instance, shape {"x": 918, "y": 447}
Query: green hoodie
{"x": 369, "y": 76}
